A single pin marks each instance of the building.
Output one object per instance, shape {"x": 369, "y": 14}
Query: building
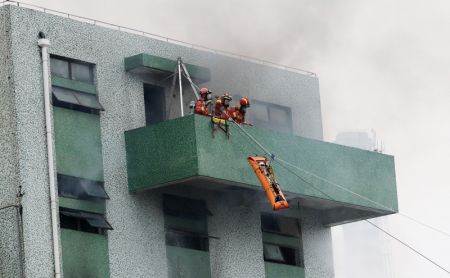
{"x": 360, "y": 249}
{"x": 144, "y": 192}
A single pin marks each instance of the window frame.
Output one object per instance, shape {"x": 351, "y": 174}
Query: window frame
{"x": 268, "y": 107}
{"x": 76, "y": 106}
{"x": 81, "y": 221}
{"x": 71, "y": 61}
{"x": 179, "y": 210}
{"x": 283, "y": 247}
{"x": 61, "y": 178}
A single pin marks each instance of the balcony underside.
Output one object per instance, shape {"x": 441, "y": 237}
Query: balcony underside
{"x": 182, "y": 152}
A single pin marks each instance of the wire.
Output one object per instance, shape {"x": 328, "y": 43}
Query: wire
{"x": 325, "y": 194}
{"x": 335, "y": 184}
{"x": 409, "y": 246}
{"x": 424, "y": 224}
{"x": 9, "y": 206}
{"x": 371, "y": 223}
{"x": 341, "y": 187}
{"x": 325, "y": 180}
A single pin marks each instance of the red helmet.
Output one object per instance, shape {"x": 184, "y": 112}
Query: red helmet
{"x": 244, "y": 102}
{"x": 204, "y": 91}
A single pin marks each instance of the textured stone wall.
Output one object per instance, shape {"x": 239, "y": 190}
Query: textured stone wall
{"x": 9, "y": 230}
{"x": 136, "y": 245}
{"x": 317, "y": 248}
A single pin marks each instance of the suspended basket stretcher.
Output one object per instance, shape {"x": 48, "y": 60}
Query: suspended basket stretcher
{"x": 266, "y": 176}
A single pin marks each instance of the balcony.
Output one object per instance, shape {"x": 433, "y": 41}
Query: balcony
{"x": 345, "y": 184}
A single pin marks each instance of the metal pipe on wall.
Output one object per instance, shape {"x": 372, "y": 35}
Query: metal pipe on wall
{"x": 44, "y": 44}
{"x": 181, "y": 87}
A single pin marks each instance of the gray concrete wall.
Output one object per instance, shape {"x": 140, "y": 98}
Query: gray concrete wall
{"x": 317, "y": 246}
{"x": 136, "y": 245}
{"x": 10, "y": 264}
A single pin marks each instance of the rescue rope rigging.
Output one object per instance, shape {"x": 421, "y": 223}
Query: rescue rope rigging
{"x": 262, "y": 166}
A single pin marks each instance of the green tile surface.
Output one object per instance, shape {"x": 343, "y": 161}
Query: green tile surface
{"x": 274, "y": 270}
{"x": 164, "y": 65}
{"x": 184, "y": 147}
{"x": 78, "y": 144}
{"x": 97, "y": 206}
{"x": 74, "y": 85}
{"x": 161, "y": 153}
{"x": 187, "y": 263}
{"x": 85, "y": 255}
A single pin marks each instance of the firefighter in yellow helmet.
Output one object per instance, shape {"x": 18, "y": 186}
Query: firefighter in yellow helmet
{"x": 222, "y": 106}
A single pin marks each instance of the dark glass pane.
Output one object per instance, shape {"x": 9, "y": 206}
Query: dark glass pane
{"x": 83, "y": 221}
{"x": 272, "y": 253}
{"x": 187, "y": 240}
{"x": 93, "y": 189}
{"x": 88, "y": 100}
{"x": 67, "y": 222}
{"x": 59, "y": 67}
{"x": 74, "y": 187}
{"x": 82, "y": 72}
{"x": 280, "y": 254}
{"x": 96, "y": 220}
{"x": 155, "y": 104}
{"x": 269, "y": 222}
{"x": 86, "y": 227}
{"x": 185, "y": 207}
{"x": 64, "y": 95}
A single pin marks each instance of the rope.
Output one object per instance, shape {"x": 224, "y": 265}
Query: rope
{"x": 281, "y": 161}
{"x": 379, "y": 228}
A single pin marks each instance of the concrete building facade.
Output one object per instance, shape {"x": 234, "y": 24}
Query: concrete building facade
{"x": 188, "y": 214}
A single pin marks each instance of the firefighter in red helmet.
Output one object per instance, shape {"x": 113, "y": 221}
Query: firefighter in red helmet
{"x": 238, "y": 113}
{"x": 201, "y": 107}
{"x": 222, "y": 106}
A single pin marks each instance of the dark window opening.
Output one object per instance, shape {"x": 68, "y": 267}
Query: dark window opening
{"x": 155, "y": 104}
{"x": 185, "y": 207}
{"x": 277, "y": 249}
{"x": 282, "y": 255}
{"x": 272, "y": 116}
{"x": 186, "y": 222}
{"x": 281, "y": 225}
{"x": 79, "y": 101}
{"x": 72, "y": 69}
{"x": 188, "y": 240}
{"x": 79, "y": 188}
{"x": 83, "y": 221}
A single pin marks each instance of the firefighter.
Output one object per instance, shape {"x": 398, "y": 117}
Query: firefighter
{"x": 201, "y": 107}
{"x": 238, "y": 113}
{"x": 221, "y": 108}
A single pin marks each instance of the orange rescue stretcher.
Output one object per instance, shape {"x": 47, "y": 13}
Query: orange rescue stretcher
{"x": 265, "y": 174}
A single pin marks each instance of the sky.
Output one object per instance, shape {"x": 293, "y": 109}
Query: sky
{"x": 382, "y": 65}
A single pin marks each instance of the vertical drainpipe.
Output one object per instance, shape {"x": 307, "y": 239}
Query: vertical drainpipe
{"x": 44, "y": 44}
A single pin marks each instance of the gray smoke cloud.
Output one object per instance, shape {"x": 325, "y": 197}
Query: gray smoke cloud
{"x": 382, "y": 64}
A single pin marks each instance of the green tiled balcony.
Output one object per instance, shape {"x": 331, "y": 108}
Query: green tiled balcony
{"x": 146, "y": 64}
{"x": 182, "y": 152}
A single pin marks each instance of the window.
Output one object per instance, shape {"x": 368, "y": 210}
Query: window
{"x": 272, "y": 116}
{"x": 72, "y": 69}
{"x": 187, "y": 240}
{"x": 79, "y": 188}
{"x": 155, "y": 104}
{"x": 281, "y": 240}
{"x": 83, "y": 102}
{"x": 186, "y": 222}
{"x": 83, "y": 221}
